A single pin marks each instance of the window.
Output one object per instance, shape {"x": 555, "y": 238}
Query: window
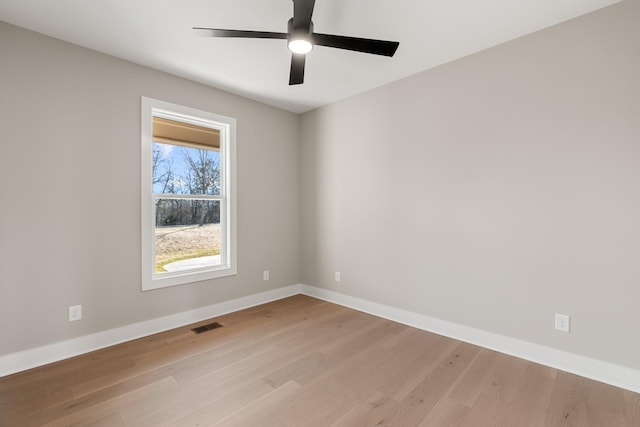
{"x": 188, "y": 203}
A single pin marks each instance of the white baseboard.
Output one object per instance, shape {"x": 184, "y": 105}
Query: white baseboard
{"x": 598, "y": 370}
{"x": 31, "y": 358}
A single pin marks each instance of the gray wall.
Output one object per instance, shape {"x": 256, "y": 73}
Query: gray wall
{"x": 70, "y": 192}
{"x": 493, "y": 191}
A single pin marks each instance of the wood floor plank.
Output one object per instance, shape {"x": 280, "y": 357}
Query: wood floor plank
{"x": 606, "y": 405}
{"x": 497, "y": 391}
{"x": 295, "y": 369}
{"x": 186, "y": 400}
{"x": 348, "y": 383}
{"x": 111, "y": 420}
{"x": 225, "y": 405}
{"x": 532, "y": 398}
{"x": 466, "y": 392}
{"x": 413, "y": 373}
{"x": 306, "y": 406}
{"x": 411, "y": 410}
{"x": 40, "y": 414}
{"x": 632, "y": 404}
{"x": 505, "y": 377}
{"x": 487, "y": 409}
{"x": 304, "y": 362}
{"x": 446, "y": 413}
{"x": 568, "y": 405}
{"x": 259, "y": 408}
{"x": 98, "y": 409}
{"x": 367, "y": 411}
{"x": 269, "y": 420}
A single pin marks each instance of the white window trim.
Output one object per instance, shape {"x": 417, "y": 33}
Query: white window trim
{"x": 153, "y": 107}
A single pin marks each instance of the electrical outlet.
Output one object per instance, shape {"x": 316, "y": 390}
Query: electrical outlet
{"x": 337, "y": 276}
{"x": 265, "y": 275}
{"x": 563, "y": 322}
{"x": 75, "y": 313}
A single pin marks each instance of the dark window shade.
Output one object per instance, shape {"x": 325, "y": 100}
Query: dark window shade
{"x": 174, "y": 132}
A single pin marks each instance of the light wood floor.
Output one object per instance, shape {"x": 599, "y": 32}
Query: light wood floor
{"x": 305, "y": 362}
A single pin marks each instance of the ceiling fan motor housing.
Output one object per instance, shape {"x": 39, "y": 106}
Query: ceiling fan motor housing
{"x": 299, "y": 34}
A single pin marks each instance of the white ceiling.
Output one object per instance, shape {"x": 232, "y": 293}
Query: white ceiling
{"x": 158, "y": 34}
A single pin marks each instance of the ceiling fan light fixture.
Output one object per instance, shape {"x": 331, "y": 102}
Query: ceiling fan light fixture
{"x": 301, "y": 39}
{"x": 300, "y": 45}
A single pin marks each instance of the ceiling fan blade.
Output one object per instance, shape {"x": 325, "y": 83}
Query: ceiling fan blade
{"x": 219, "y": 32}
{"x": 302, "y": 11}
{"x": 376, "y": 47}
{"x": 296, "y": 76}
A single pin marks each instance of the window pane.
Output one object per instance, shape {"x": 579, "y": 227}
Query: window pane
{"x": 188, "y": 204}
{"x": 185, "y": 170}
{"x": 187, "y": 234}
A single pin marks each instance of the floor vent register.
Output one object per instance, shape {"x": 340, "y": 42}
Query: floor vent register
{"x": 205, "y": 328}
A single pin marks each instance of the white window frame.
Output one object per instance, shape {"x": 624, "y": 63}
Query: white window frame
{"x": 227, "y": 126}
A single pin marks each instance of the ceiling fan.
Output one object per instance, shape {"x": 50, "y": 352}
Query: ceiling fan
{"x": 301, "y": 39}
